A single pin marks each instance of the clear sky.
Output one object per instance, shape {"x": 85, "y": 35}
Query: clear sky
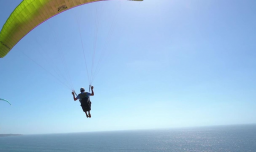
{"x": 165, "y": 64}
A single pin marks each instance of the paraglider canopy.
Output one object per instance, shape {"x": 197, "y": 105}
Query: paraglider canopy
{"x": 28, "y": 15}
{"x": 6, "y": 101}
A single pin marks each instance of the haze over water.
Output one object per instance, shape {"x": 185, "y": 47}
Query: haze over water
{"x": 239, "y": 138}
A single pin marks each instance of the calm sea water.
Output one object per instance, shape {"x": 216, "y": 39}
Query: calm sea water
{"x": 207, "y": 139}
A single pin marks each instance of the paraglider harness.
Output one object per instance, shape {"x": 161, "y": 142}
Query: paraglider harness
{"x": 85, "y": 101}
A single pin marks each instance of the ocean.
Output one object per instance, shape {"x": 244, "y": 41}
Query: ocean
{"x": 240, "y": 138}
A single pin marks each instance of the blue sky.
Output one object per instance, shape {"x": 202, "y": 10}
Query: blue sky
{"x": 165, "y": 64}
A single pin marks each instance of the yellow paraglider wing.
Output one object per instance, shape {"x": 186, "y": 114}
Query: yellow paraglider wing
{"x": 29, "y": 14}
